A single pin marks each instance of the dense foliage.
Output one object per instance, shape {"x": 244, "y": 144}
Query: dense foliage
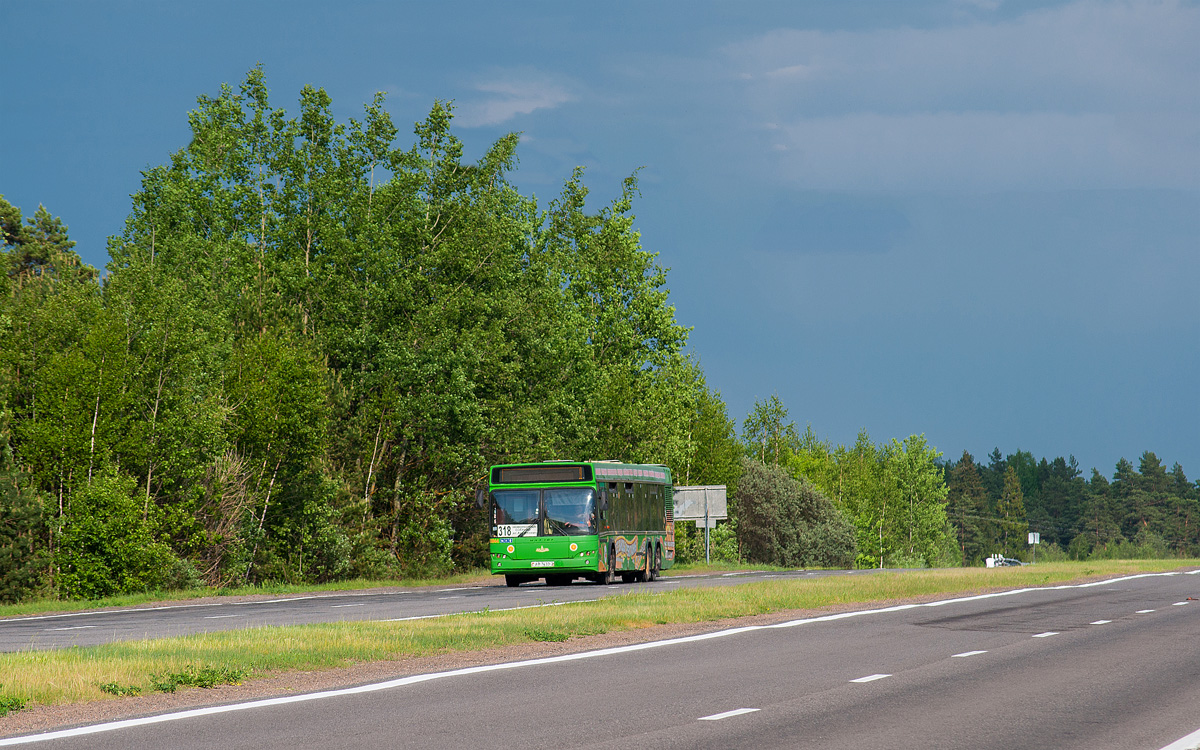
{"x": 788, "y": 522}
{"x": 311, "y": 342}
{"x": 309, "y": 345}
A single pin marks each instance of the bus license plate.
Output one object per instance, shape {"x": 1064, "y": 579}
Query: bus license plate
{"x": 542, "y": 564}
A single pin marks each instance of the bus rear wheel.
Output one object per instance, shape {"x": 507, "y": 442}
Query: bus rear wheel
{"x": 645, "y": 574}
{"x": 657, "y": 566}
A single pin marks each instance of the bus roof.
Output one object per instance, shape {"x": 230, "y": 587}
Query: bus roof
{"x": 601, "y": 471}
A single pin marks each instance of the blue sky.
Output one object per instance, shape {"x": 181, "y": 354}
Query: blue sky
{"x": 977, "y": 220}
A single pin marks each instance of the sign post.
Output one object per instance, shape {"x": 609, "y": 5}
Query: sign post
{"x": 704, "y": 504}
{"x": 1034, "y": 540}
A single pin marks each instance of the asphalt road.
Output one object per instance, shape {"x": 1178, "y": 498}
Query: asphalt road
{"x": 1114, "y": 665}
{"x": 137, "y": 623}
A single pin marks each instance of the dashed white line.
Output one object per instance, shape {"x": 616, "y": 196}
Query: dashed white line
{"x": 1179, "y": 604}
{"x": 502, "y": 609}
{"x": 219, "y": 617}
{"x": 77, "y": 627}
{"x": 1144, "y": 611}
{"x": 339, "y": 606}
{"x": 1046, "y": 634}
{"x": 871, "y": 678}
{"x": 1100, "y": 622}
{"x": 727, "y": 714}
{"x": 968, "y": 653}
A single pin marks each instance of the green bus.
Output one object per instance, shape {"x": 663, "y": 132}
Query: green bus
{"x": 563, "y": 520}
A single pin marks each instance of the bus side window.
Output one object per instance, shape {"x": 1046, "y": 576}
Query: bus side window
{"x": 640, "y": 504}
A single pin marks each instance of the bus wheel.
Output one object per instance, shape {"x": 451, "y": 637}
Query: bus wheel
{"x": 657, "y": 563}
{"x": 647, "y": 566}
{"x": 512, "y": 581}
{"x": 608, "y": 577}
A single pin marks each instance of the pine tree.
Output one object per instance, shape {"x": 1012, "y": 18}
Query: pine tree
{"x": 1013, "y": 525}
{"x": 967, "y": 501}
{"x": 23, "y": 556}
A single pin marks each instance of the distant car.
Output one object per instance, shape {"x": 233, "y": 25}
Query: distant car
{"x": 1000, "y": 561}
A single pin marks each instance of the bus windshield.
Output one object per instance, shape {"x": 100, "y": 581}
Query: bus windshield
{"x": 517, "y": 507}
{"x": 570, "y": 511}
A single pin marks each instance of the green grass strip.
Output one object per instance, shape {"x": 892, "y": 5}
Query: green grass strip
{"x": 81, "y": 674}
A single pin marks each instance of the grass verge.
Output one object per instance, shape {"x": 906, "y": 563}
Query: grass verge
{"x": 81, "y": 674}
{"x": 43, "y": 606}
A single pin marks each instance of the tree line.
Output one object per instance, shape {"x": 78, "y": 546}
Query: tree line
{"x": 311, "y": 341}
{"x": 309, "y": 345}
{"x": 1143, "y": 512}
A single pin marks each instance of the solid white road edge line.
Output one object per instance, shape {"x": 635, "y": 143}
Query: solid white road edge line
{"x": 727, "y": 714}
{"x": 414, "y": 679}
{"x": 1191, "y": 742}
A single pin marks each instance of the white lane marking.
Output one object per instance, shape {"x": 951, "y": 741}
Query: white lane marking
{"x": 229, "y": 708}
{"x": 61, "y": 615}
{"x": 464, "y": 588}
{"x": 727, "y": 714}
{"x": 871, "y": 678}
{"x": 1191, "y": 742}
{"x": 968, "y": 653}
{"x": 1179, "y": 604}
{"x": 1100, "y": 622}
{"x": 77, "y": 627}
{"x": 1046, "y": 634}
{"x": 340, "y": 606}
{"x": 444, "y": 598}
{"x": 219, "y": 617}
{"x": 1143, "y": 611}
{"x": 481, "y": 612}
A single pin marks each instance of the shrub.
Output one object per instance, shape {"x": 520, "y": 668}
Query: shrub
{"x": 787, "y": 522}
{"x": 106, "y": 546}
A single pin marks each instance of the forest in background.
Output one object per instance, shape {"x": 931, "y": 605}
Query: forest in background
{"x": 311, "y": 342}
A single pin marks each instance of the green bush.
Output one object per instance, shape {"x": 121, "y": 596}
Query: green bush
{"x": 10, "y": 704}
{"x": 787, "y": 522}
{"x": 722, "y": 543}
{"x": 106, "y": 546}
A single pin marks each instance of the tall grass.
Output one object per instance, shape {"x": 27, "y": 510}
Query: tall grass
{"x": 77, "y": 674}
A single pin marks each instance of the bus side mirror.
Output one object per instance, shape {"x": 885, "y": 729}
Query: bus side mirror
{"x": 602, "y": 504}
{"x": 480, "y": 497}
